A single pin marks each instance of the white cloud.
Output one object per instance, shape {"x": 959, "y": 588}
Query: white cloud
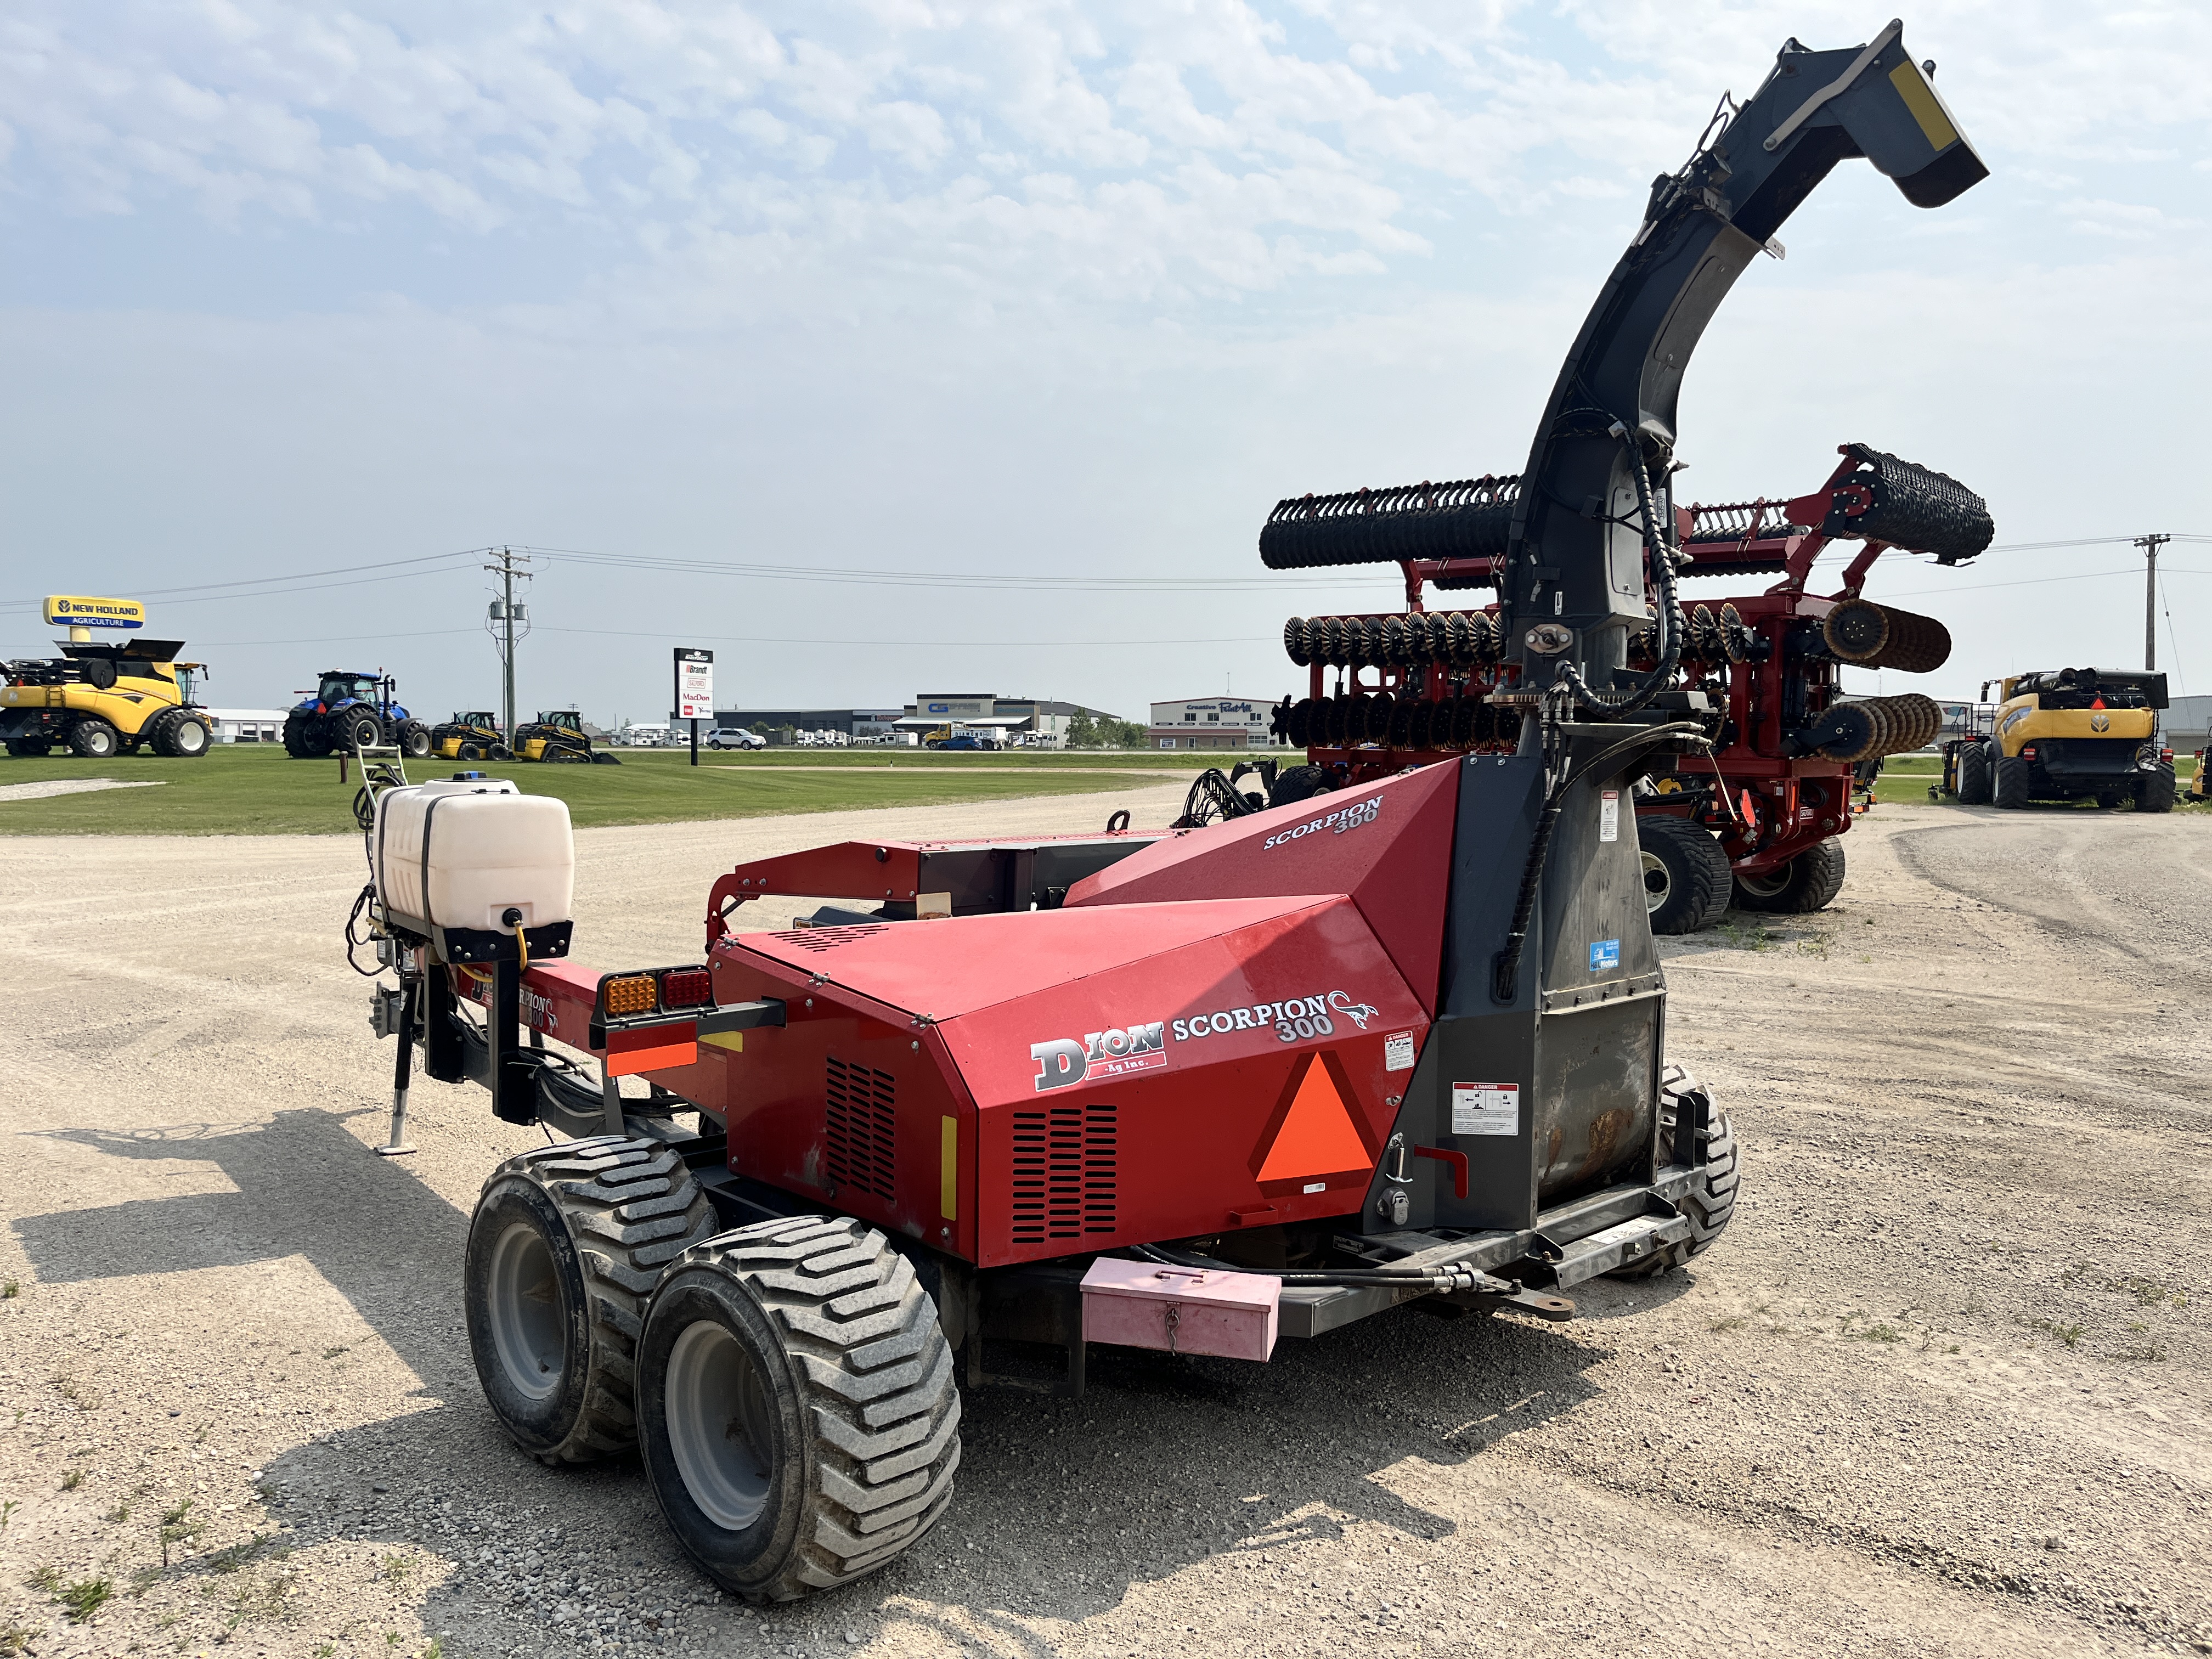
{"x": 886, "y": 280}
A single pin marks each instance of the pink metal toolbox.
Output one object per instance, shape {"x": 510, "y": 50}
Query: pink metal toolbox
{"x": 1147, "y": 1304}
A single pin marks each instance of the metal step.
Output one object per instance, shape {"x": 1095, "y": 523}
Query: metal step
{"x": 1623, "y": 1244}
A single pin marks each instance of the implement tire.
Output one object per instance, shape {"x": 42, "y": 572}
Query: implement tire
{"x": 1973, "y": 776}
{"x": 797, "y": 1407}
{"x": 1686, "y": 879}
{"x": 33, "y": 744}
{"x": 1808, "y": 883}
{"x": 1709, "y": 1205}
{"x": 566, "y": 1244}
{"x": 2014, "y": 778}
{"x": 2154, "y": 790}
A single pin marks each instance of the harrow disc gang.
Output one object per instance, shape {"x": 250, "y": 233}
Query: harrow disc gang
{"x": 1870, "y": 635}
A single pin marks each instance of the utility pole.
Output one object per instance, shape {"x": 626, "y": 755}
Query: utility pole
{"x": 506, "y": 565}
{"x": 2150, "y": 545}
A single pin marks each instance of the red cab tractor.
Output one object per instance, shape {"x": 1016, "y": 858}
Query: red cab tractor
{"x": 1757, "y": 820}
{"x": 1197, "y": 1091}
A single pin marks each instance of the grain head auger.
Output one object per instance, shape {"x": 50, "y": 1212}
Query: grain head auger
{"x": 1190, "y": 1090}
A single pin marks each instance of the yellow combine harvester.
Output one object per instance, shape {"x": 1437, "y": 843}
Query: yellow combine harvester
{"x": 2072, "y": 734}
{"x": 103, "y": 700}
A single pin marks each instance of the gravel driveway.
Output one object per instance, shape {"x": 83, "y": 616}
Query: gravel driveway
{"x": 1941, "y": 1390}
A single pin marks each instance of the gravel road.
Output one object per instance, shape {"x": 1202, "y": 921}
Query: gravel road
{"x": 1940, "y": 1391}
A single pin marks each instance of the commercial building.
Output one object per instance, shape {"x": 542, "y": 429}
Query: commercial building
{"x": 245, "y": 725}
{"x": 985, "y": 711}
{"x": 2188, "y": 724}
{"x": 1209, "y": 723}
{"x": 853, "y": 722}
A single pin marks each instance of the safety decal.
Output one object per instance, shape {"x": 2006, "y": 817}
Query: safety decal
{"x": 1398, "y": 1052}
{"x": 1486, "y": 1108}
{"x": 1608, "y": 815}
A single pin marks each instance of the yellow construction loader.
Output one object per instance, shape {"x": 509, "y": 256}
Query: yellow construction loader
{"x": 558, "y": 738}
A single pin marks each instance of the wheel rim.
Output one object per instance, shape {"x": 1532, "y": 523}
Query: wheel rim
{"x": 101, "y": 744}
{"x": 528, "y": 1324}
{"x": 1768, "y": 885}
{"x": 720, "y": 1426}
{"x": 1658, "y": 882}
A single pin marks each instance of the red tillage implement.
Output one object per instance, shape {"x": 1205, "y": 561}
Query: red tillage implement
{"x": 1195, "y": 1089}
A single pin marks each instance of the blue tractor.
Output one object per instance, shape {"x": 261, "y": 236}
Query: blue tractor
{"x": 349, "y": 712}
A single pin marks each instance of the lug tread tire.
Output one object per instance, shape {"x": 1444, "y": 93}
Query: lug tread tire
{"x": 85, "y": 739}
{"x": 878, "y": 1397}
{"x": 2155, "y": 792}
{"x": 1709, "y": 1205}
{"x": 630, "y": 1207}
{"x": 1973, "y": 776}
{"x": 1695, "y": 863}
{"x": 2009, "y": 787}
{"x": 1816, "y": 876}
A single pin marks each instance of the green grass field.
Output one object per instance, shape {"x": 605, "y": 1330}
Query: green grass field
{"x": 1909, "y": 779}
{"x": 255, "y": 791}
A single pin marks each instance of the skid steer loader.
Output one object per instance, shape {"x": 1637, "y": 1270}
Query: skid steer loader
{"x": 470, "y": 736}
{"x": 1191, "y": 1090}
{"x": 558, "y": 738}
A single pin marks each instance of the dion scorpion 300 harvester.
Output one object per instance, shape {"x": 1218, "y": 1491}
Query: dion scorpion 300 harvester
{"x": 1196, "y": 1090}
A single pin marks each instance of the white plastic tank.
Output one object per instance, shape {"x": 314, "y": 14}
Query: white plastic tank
{"x": 461, "y": 854}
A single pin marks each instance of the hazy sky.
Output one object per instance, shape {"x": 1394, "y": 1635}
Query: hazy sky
{"x": 894, "y": 346}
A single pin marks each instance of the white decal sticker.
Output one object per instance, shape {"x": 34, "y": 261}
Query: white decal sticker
{"x": 1107, "y": 1053}
{"x": 1336, "y": 822}
{"x": 1314, "y": 1187}
{"x": 1486, "y": 1108}
{"x": 1608, "y": 815}
{"x": 1398, "y": 1052}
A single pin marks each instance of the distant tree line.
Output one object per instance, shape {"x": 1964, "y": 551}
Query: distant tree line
{"x": 1104, "y": 733}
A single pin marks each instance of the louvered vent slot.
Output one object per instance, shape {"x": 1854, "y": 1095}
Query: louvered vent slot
{"x": 860, "y": 1136}
{"x": 829, "y": 938}
{"x": 1066, "y": 1169}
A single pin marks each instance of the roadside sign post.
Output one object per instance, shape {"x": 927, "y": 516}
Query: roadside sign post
{"x": 695, "y": 690}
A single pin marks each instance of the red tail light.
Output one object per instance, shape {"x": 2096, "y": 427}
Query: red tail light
{"x": 2028, "y": 753}
{"x": 686, "y": 988}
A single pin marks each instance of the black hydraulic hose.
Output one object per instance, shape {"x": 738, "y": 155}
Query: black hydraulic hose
{"x": 1505, "y": 967}
{"x": 1455, "y": 1276}
{"x": 1659, "y": 553}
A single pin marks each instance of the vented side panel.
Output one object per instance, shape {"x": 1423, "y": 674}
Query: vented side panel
{"x": 829, "y": 938}
{"x": 1065, "y": 1173}
{"x": 859, "y": 1129}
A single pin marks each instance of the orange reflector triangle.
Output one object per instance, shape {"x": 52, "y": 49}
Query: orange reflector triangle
{"x": 1316, "y": 1138}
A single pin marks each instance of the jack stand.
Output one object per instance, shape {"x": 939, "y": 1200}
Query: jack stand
{"x": 403, "y": 1071}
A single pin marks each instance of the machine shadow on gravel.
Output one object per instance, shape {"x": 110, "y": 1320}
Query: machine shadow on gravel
{"x": 1166, "y": 1462}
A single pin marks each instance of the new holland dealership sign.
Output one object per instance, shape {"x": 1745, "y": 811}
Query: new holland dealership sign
{"x": 76, "y": 610}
